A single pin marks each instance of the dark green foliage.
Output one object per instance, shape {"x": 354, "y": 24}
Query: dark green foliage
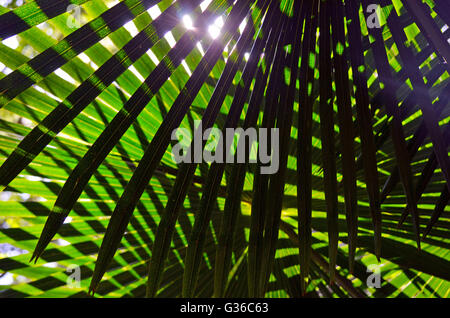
{"x": 88, "y": 180}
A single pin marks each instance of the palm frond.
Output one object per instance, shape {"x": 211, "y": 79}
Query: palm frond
{"x": 92, "y": 93}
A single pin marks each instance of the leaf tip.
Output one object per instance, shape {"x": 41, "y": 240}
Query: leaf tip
{"x": 31, "y": 259}
{"x": 92, "y": 289}
{"x": 34, "y": 258}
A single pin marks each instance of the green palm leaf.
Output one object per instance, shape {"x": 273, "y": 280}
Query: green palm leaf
{"x": 91, "y": 93}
